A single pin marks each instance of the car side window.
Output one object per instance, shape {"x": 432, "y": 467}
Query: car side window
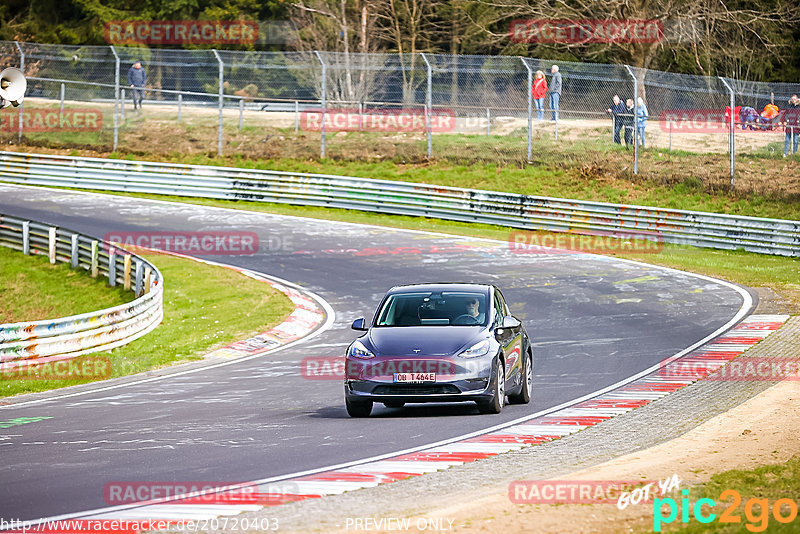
{"x": 503, "y": 304}
{"x": 499, "y": 309}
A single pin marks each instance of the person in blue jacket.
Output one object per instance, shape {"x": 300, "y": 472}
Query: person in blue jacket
{"x": 641, "y": 120}
{"x": 137, "y": 78}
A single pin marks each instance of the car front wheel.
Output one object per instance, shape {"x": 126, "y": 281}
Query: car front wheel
{"x": 524, "y": 395}
{"x": 358, "y": 408}
{"x": 495, "y": 405}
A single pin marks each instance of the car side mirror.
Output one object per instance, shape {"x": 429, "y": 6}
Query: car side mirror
{"x": 358, "y": 324}
{"x": 511, "y": 322}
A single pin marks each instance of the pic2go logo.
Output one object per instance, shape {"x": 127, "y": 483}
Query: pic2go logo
{"x": 756, "y": 511}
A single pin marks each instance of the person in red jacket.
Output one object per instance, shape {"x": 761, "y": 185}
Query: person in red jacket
{"x": 538, "y": 91}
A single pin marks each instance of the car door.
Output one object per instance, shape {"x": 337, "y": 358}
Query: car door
{"x": 509, "y": 337}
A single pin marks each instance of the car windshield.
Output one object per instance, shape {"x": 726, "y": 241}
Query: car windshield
{"x": 443, "y": 308}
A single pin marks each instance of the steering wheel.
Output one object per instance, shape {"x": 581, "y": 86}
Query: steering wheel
{"x": 465, "y": 319}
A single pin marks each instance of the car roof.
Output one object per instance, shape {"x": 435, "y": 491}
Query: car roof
{"x": 441, "y": 286}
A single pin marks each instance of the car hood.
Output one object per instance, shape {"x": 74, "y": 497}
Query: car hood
{"x": 426, "y": 340}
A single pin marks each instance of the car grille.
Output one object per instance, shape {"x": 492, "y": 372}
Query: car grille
{"x": 417, "y": 389}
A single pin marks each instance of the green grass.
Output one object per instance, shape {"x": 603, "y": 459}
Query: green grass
{"x": 59, "y": 290}
{"x": 205, "y": 307}
{"x": 561, "y": 174}
{"x": 771, "y": 482}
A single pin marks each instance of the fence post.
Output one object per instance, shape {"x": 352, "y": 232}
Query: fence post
{"x": 26, "y": 237}
{"x": 530, "y": 108}
{"x": 488, "y": 122}
{"x": 241, "y": 111}
{"x": 429, "y": 105}
{"x": 635, "y": 144}
{"x": 22, "y": 105}
{"x": 122, "y": 104}
{"x": 73, "y": 251}
{"x": 296, "y": 116}
{"x": 731, "y": 131}
{"x": 61, "y": 108}
{"x": 116, "y": 96}
{"x": 323, "y": 102}
{"x": 221, "y": 100}
{"x": 180, "y": 102}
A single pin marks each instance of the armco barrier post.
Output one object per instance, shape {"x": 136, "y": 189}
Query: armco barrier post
{"x": 126, "y": 270}
{"x": 221, "y": 100}
{"x": 26, "y": 237}
{"x": 95, "y": 268}
{"x": 323, "y": 102}
{"x": 731, "y": 131}
{"x": 73, "y": 251}
{"x": 429, "y": 104}
{"x": 530, "y": 108}
{"x": 139, "y": 277}
{"x": 112, "y": 267}
{"x": 51, "y": 244}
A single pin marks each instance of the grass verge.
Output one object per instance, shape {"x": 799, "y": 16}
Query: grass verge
{"x": 205, "y": 307}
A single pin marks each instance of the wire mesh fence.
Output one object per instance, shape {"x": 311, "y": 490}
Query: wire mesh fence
{"x": 414, "y": 106}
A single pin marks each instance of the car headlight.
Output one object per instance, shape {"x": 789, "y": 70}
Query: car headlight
{"x": 358, "y": 350}
{"x": 478, "y": 349}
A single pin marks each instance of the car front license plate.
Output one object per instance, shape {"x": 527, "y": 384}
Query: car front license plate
{"x": 414, "y": 378}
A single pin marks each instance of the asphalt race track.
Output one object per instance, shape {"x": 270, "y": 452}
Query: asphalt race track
{"x": 595, "y": 320}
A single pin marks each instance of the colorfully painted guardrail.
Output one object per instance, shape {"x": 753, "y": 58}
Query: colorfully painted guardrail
{"x": 57, "y": 339}
{"x": 766, "y": 236}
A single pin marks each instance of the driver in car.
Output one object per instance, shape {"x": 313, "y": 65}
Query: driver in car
{"x": 473, "y": 309}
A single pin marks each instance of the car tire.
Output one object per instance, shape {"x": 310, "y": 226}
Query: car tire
{"x": 394, "y": 404}
{"x": 358, "y": 408}
{"x": 495, "y": 405}
{"x": 524, "y": 395}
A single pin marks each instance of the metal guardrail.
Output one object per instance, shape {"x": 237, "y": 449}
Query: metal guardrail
{"x": 766, "y": 236}
{"x": 57, "y": 339}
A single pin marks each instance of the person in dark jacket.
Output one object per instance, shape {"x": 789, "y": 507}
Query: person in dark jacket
{"x": 627, "y": 121}
{"x": 555, "y": 91}
{"x": 791, "y": 123}
{"x": 137, "y": 78}
{"x": 617, "y": 109}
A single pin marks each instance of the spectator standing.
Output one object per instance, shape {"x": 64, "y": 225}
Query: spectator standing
{"x": 641, "y": 120}
{"x": 137, "y": 78}
{"x": 538, "y": 91}
{"x": 791, "y": 123}
{"x": 616, "y": 110}
{"x": 555, "y": 91}
{"x": 628, "y": 122}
